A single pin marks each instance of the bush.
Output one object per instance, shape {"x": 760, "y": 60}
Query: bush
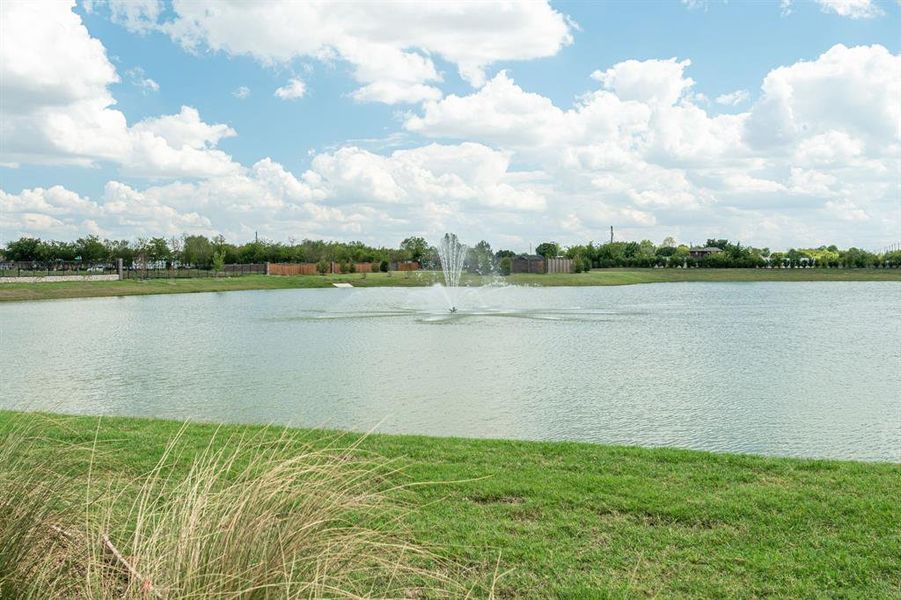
{"x": 323, "y": 267}
{"x": 383, "y": 266}
{"x": 586, "y": 264}
{"x": 506, "y": 265}
{"x": 219, "y": 261}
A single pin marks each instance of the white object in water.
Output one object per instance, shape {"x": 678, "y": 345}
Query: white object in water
{"x": 452, "y": 255}
{"x": 342, "y": 284}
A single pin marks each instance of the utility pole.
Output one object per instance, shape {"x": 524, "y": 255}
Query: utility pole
{"x": 256, "y": 237}
{"x": 611, "y": 234}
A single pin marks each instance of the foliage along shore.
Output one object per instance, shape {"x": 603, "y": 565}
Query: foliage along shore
{"x": 599, "y": 277}
{"x": 202, "y": 252}
{"x": 572, "y": 520}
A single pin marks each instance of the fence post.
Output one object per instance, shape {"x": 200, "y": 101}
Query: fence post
{"x": 119, "y": 269}
{"x": 267, "y": 267}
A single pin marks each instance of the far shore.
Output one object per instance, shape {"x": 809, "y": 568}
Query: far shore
{"x": 599, "y": 277}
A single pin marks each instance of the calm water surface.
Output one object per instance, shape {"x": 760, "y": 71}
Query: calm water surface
{"x": 796, "y": 369}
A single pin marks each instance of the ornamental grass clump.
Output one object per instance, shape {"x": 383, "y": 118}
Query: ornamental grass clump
{"x": 244, "y": 517}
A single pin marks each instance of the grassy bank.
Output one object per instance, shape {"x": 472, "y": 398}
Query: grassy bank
{"x": 600, "y": 277}
{"x": 585, "y": 521}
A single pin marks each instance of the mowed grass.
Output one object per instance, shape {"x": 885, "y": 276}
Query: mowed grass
{"x": 637, "y": 276}
{"x": 568, "y": 520}
{"x": 600, "y": 277}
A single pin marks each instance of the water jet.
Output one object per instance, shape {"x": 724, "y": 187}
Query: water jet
{"x": 452, "y": 255}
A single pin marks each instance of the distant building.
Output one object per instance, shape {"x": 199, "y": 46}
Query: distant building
{"x": 528, "y": 263}
{"x": 703, "y": 252}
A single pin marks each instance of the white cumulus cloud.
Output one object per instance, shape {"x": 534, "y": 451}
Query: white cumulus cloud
{"x": 138, "y": 78}
{"x": 853, "y": 9}
{"x": 294, "y": 89}
{"x": 647, "y": 81}
{"x": 54, "y": 80}
{"x": 733, "y": 98}
{"x": 390, "y": 47}
{"x": 138, "y": 16}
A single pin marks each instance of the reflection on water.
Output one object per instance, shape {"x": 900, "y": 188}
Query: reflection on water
{"x": 802, "y": 369}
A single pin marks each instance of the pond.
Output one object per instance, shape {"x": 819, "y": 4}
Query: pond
{"x": 792, "y": 369}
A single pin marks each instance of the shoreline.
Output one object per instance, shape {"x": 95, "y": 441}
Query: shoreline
{"x": 8, "y": 414}
{"x": 12, "y": 292}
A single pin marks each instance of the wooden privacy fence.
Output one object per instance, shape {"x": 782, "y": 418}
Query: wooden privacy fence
{"x": 407, "y": 265}
{"x": 528, "y": 264}
{"x": 559, "y": 265}
{"x": 292, "y": 269}
{"x": 312, "y": 269}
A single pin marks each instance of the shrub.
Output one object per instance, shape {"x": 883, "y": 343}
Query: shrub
{"x": 383, "y": 266}
{"x": 323, "y": 267}
{"x": 219, "y": 261}
{"x": 506, "y": 265}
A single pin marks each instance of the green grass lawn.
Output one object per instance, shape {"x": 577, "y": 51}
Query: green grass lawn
{"x": 569, "y": 520}
{"x": 87, "y": 289}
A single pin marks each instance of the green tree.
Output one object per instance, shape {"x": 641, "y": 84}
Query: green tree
{"x": 481, "y": 258}
{"x": 219, "y": 261}
{"x": 119, "y": 249}
{"x": 323, "y": 267}
{"x": 57, "y": 251}
{"x": 158, "y": 250}
{"x": 666, "y": 251}
{"x": 25, "y": 248}
{"x": 646, "y": 249}
{"x": 586, "y": 264}
{"x": 506, "y": 265}
{"x": 198, "y": 251}
{"x": 548, "y": 249}
{"x": 416, "y": 248}
{"x": 90, "y": 249}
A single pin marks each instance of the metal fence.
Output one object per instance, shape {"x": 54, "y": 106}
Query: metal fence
{"x": 63, "y": 268}
{"x": 54, "y": 268}
{"x": 181, "y": 272}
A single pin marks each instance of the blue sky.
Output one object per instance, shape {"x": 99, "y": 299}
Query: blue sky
{"x": 526, "y": 144}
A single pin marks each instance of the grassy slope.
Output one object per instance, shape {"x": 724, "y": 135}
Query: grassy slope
{"x": 587, "y": 521}
{"x": 86, "y": 289}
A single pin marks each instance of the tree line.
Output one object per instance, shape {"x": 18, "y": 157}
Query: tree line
{"x": 213, "y": 252}
{"x": 729, "y": 255}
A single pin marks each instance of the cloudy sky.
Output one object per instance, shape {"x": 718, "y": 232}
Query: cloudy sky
{"x": 774, "y": 123}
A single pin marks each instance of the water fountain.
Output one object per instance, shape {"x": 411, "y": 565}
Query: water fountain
{"x": 452, "y": 255}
